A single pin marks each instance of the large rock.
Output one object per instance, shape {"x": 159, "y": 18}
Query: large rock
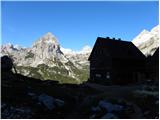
{"x": 109, "y": 106}
{"x": 50, "y": 102}
{"x": 6, "y": 63}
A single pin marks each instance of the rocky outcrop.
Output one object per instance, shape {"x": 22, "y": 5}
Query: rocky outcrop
{"x": 6, "y": 63}
{"x": 46, "y": 50}
{"x": 147, "y": 41}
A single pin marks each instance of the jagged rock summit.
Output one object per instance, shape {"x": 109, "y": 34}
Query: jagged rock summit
{"x": 47, "y": 49}
{"x": 48, "y": 38}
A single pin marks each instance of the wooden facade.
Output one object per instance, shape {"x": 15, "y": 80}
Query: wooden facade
{"x": 152, "y": 66}
{"x": 116, "y": 62}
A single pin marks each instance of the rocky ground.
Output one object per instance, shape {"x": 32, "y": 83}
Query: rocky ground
{"x": 24, "y": 97}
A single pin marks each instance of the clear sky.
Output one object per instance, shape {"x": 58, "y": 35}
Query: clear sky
{"x": 76, "y": 24}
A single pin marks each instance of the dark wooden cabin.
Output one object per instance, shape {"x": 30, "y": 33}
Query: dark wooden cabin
{"x": 152, "y": 66}
{"x": 116, "y": 62}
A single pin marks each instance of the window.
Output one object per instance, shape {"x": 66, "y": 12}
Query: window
{"x": 108, "y": 75}
{"x": 98, "y": 75}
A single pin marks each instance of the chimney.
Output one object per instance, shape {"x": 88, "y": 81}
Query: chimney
{"x": 107, "y": 38}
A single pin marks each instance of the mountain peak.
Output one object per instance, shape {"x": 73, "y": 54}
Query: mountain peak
{"x": 49, "y": 37}
{"x": 49, "y": 34}
{"x": 147, "y": 41}
{"x": 144, "y": 36}
{"x": 144, "y": 31}
{"x": 155, "y": 29}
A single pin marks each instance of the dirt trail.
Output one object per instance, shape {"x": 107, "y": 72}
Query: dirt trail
{"x": 115, "y": 91}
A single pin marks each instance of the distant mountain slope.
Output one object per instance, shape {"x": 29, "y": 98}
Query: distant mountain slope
{"x": 46, "y": 59}
{"x": 78, "y": 57}
{"x": 147, "y": 41}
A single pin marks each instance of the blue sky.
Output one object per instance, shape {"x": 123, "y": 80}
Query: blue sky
{"x": 76, "y": 24}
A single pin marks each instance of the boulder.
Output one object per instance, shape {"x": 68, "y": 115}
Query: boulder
{"x": 109, "y": 106}
{"x": 50, "y": 102}
{"x": 6, "y": 63}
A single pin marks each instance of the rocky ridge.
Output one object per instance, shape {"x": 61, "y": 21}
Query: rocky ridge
{"x": 46, "y": 59}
